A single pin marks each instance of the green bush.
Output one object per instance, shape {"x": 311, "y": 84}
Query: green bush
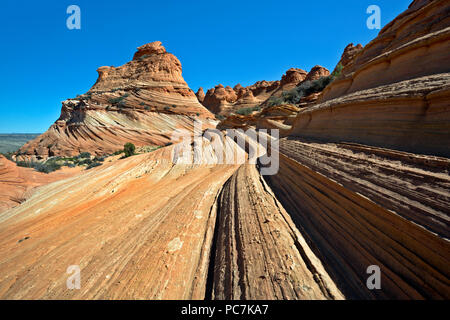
{"x": 84, "y": 161}
{"x": 117, "y": 152}
{"x": 119, "y": 100}
{"x": 45, "y": 167}
{"x": 306, "y": 88}
{"x": 93, "y": 164}
{"x": 275, "y": 101}
{"x": 337, "y": 72}
{"x": 26, "y": 164}
{"x": 83, "y": 155}
{"x": 129, "y": 149}
{"x": 99, "y": 159}
{"x": 247, "y": 111}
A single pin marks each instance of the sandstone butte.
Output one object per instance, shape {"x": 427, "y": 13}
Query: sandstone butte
{"x": 141, "y": 102}
{"x": 363, "y": 180}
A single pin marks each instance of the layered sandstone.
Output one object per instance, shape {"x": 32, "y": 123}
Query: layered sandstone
{"x": 278, "y": 117}
{"x": 146, "y": 227}
{"x": 365, "y": 171}
{"x": 413, "y": 45}
{"x": 395, "y": 92}
{"x": 259, "y": 254}
{"x": 18, "y": 183}
{"x": 360, "y": 206}
{"x": 141, "y": 102}
{"x": 363, "y": 181}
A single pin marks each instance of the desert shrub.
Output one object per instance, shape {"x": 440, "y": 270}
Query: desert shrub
{"x": 337, "y": 72}
{"x": 247, "y": 111}
{"x": 93, "y": 164}
{"x": 83, "y": 155}
{"x": 26, "y": 164}
{"x": 84, "y": 161}
{"x": 69, "y": 164}
{"x": 129, "y": 149}
{"x": 275, "y": 101}
{"x": 219, "y": 117}
{"x": 167, "y": 108}
{"x": 99, "y": 159}
{"x": 47, "y": 167}
{"x": 147, "y": 108}
{"x": 119, "y": 100}
{"x": 117, "y": 152}
{"x": 302, "y": 90}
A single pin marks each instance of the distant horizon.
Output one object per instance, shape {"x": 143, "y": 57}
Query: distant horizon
{"x": 216, "y": 44}
{"x": 17, "y": 133}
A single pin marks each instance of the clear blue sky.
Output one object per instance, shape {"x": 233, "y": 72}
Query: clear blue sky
{"x": 44, "y": 63}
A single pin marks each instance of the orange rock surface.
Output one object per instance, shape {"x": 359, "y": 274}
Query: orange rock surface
{"x": 16, "y": 183}
{"x": 363, "y": 180}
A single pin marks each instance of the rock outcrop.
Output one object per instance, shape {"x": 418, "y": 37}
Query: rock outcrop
{"x": 224, "y": 101}
{"x": 364, "y": 172}
{"x": 276, "y": 117}
{"x": 348, "y": 56}
{"x": 200, "y": 95}
{"x": 413, "y": 45}
{"x": 141, "y": 102}
{"x": 395, "y": 93}
{"x": 18, "y": 183}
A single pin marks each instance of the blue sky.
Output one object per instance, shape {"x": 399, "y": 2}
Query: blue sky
{"x": 44, "y": 63}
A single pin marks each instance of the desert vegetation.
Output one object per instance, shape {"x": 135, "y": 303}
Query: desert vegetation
{"x": 305, "y": 88}
{"x": 247, "y": 111}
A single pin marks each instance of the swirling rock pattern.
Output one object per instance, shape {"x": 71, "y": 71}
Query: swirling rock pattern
{"x": 141, "y": 102}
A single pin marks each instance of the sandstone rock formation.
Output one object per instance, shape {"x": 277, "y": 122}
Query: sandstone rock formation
{"x": 348, "y": 56}
{"x": 18, "y": 183}
{"x": 226, "y": 100}
{"x": 413, "y": 45}
{"x": 276, "y": 117}
{"x": 259, "y": 254}
{"x": 396, "y": 91}
{"x": 363, "y": 206}
{"x": 363, "y": 181}
{"x": 365, "y": 172}
{"x": 200, "y": 95}
{"x": 143, "y": 228}
{"x": 141, "y": 102}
